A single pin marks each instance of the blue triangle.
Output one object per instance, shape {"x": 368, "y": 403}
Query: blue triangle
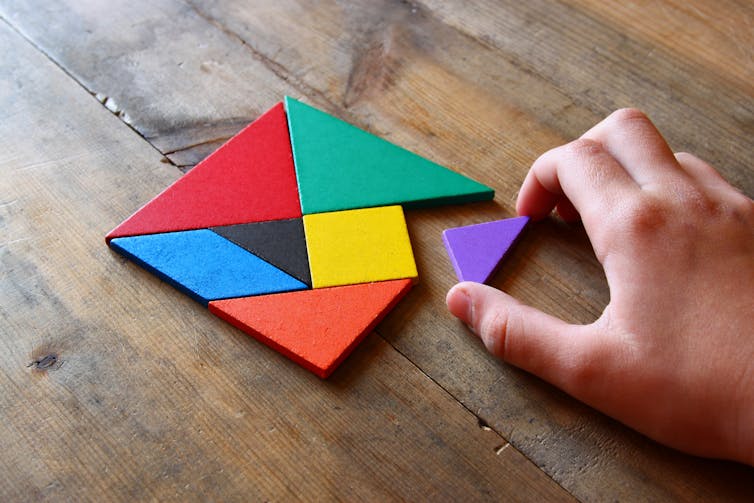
{"x": 204, "y": 265}
{"x": 477, "y": 250}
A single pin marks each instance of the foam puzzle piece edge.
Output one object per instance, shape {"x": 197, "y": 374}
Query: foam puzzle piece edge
{"x": 250, "y": 178}
{"x": 476, "y": 251}
{"x": 358, "y": 246}
{"x": 345, "y": 315}
{"x": 204, "y": 265}
{"x": 341, "y": 167}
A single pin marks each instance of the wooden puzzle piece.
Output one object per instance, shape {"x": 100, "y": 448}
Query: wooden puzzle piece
{"x": 477, "y": 250}
{"x": 317, "y": 329}
{"x": 249, "y": 179}
{"x": 279, "y": 242}
{"x": 204, "y": 265}
{"x": 341, "y": 167}
{"x": 358, "y": 246}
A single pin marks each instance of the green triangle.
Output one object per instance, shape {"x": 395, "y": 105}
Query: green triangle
{"x": 339, "y": 166}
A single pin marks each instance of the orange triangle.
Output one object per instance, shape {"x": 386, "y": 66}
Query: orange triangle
{"x": 250, "y": 178}
{"x": 315, "y": 328}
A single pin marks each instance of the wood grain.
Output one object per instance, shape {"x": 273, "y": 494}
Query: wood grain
{"x": 601, "y": 66}
{"x": 114, "y": 385}
{"x": 713, "y": 35}
{"x": 483, "y": 88}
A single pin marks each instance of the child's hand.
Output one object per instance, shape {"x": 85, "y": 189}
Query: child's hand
{"x": 673, "y": 353}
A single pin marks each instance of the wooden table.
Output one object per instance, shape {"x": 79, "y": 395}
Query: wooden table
{"x": 114, "y": 386}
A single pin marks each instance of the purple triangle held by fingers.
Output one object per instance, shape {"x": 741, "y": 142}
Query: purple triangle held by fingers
{"x": 476, "y": 250}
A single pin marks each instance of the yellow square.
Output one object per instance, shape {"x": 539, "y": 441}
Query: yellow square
{"x": 358, "y": 246}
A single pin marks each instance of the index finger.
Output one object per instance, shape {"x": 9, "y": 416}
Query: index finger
{"x": 634, "y": 141}
{"x": 582, "y": 172}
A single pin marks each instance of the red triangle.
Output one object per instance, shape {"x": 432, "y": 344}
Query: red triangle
{"x": 250, "y": 178}
{"x": 315, "y": 328}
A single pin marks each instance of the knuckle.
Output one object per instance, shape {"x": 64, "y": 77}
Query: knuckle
{"x": 588, "y": 157}
{"x": 645, "y": 216}
{"x": 586, "y": 368}
{"x": 741, "y": 208}
{"x": 581, "y": 373}
{"x": 505, "y": 336}
{"x": 493, "y": 331}
{"x": 624, "y": 116}
{"x": 584, "y": 148}
{"x": 700, "y": 203}
{"x": 697, "y": 202}
{"x": 586, "y": 371}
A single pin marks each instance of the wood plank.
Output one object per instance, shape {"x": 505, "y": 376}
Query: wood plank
{"x": 146, "y": 78}
{"x": 227, "y": 77}
{"x": 715, "y": 35}
{"x": 112, "y": 383}
{"x": 483, "y": 89}
{"x": 603, "y": 62}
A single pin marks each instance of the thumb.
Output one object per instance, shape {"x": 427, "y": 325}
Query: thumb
{"x": 524, "y": 336}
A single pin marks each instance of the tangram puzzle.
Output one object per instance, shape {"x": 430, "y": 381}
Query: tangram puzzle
{"x": 293, "y": 231}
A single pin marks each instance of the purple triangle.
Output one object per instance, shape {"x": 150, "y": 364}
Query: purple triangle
{"x": 477, "y": 250}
